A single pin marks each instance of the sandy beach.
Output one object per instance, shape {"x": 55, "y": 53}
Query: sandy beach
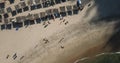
{"x": 58, "y": 42}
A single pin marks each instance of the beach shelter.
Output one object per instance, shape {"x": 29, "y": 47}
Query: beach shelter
{"x": 29, "y": 16}
{"x": 69, "y": 9}
{"x": 18, "y": 8}
{"x": 0, "y": 20}
{"x": 11, "y": 1}
{"x": 37, "y": 1}
{"x": 6, "y": 15}
{"x": 30, "y": 2}
{"x": 49, "y": 11}
{"x": 57, "y": 1}
{"x": 63, "y": 0}
{"x": 0, "y": 16}
{"x": 14, "y": 13}
{"x": 52, "y": 2}
{"x": 22, "y": 4}
{"x": 9, "y": 9}
{"x": 5, "y": 21}
{"x": 2, "y": 11}
{"x": 18, "y": 19}
{"x": 43, "y": 16}
{"x": 36, "y": 16}
{"x": 63, "y": 11}
{"x": 45, "y": 3}
{"x": 23, "y": 18}
{"x": 56, "y": 13}
{"x": 2, "y": 5}
{"x": 50, "y": 14}
{"x": 75, "y": 9}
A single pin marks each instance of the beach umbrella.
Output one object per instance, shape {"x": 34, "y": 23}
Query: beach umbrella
{"x": 5, "y": 21}
{"x": 9, "y": 9}
{"x": 36, "y": 16}
{"x": 62, "y": 9}
{"x": 23, "y": 4}
{"x": 2, "y": 11}
{"x": 42, "y": 14}
{"x": 49, "y": 12}
{"x": 69, "y": 8}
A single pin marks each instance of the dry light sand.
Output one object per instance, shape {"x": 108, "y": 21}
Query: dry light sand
{"x": 66, "y": 43}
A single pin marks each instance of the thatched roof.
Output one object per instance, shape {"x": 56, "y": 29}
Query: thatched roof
{"x": 30, "y": 17}
{"x": 20, "y": 18}
{"x": 30, "y": 2}
{"x": 42, "y": 14}
{"x": 9, "y": 9}
{"x": 36, "y": 16}
{"x": 6, "y": 21}
{"x": 55, "y": 10}
{"x": 2, "y": 11}
{"x": 49, "y": 12}
{"x": 62, "y": 9}
{"x": 75, "y": 7}
{"x": 69, "y": 8}
{"x": 17, "y": 7}
{"x": 23, "y": 4}
{"x": 37, "y": 1}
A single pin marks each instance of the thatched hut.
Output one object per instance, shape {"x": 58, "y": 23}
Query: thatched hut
{"x": 63, "y": 11}
{"x": 69, "y": 9}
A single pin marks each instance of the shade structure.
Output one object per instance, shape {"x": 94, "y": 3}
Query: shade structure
{"x": 14, "y": 13}
{"x": 56, "y": 13}
{"x": 23, "y": 18}
{"x": 62, "y": 9}
{"x": 42, "y": 14}
{"x": 37, "y": 1}
{"x": 69, "y": 8}
{"x": 26, "y": 8}
{"x": 75, "y": 7}
{"x": 2, "y": 5}
{"x": 20, "y": 19}
{"x": 2, "y": 11}
{"x": 22, "y": 4}
{"x": 49, "y": 12}
{"x": 30, "y": 2}
{"x": 6, "y": 15}
{"x": 0, "y": 20}
{"x": 6, "y": 21}
{"x": 0, "y": 16}
{"x": 57, "y": 1}
{"x": 17, "y": 7}
{"x": 29, "y": 17}
{"x": 12, "y": 19}
{"x": 55, "y": 10}
{"x": 9, "y": 9}
{"x": 36, "y": 16}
